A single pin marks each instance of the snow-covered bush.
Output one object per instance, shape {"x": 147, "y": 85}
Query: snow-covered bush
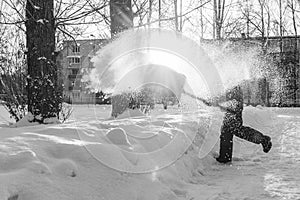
{"x": 15, "y": 99}
{"x": 65, "y": 112}
{"x": 12, "y": 73}
{"x": 141, "y": 100}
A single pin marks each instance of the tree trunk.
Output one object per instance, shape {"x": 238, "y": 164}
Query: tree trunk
{"x": 176, "y": 15}
{"x": 121, "y": 16}
{"x": 296, "y": 56}
{"x": 44, "y": 97}
{"x": 215, "y": 14}
{"x": 280, "y": 28}
{"x": 201, "y": 21}
{"x": 218, "y": 21}
{"x": 263, "y": 39}
{"x": 159, "y": 13}
{"x": 248, "y": 21}
{"x": 150, "y": 13}
{"x": 180, "y": 15}
{"x": 219, "y": 7}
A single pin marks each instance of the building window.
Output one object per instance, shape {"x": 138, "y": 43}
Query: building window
{"x": 287, "y": 43}
{"x": 76, "y": 95}
{"x": 75, "y": 71}
{"x": 75, "y": 48}
{"x": 74, "y": 60}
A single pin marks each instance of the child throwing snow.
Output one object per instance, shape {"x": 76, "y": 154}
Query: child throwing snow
{"x": 233, "y": 125}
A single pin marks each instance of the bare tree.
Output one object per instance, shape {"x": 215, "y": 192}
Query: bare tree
{"x": 159, "y": 13}
{"x": 176, "y": 15}
{"x": 295, "y": 70}
{"x": 44, "y": 95}
{"x": 280, "y": 26}
{"x": 218, "y": 7}
{"x": 140, "y": 11}
{"x": 163, "y": 13}
{"x": 150, "y": 12}
{"x": 292, "y": 7}
{"x": 42, "y": 21}
{"x": 72, "y": 17}
{"x": 121, "y": 16}
{"x": 13, "y": 72}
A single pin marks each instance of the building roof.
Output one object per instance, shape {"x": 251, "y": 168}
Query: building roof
{"x": 85, "y": 40}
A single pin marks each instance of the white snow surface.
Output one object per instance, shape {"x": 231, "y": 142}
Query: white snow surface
{"x": 54, "y": 162}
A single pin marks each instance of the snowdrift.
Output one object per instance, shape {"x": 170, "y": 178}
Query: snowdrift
{"x": 61, "y": 161}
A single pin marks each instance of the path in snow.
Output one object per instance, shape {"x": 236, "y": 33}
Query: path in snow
{"x": 257, "y": 175}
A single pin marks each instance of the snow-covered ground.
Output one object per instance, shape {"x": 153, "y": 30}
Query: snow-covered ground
{"x": 79, "y": 159}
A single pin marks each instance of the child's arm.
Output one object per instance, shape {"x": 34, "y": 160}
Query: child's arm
{"x": 211, "y": 102}
{"x": 206, "y": 102}
{"x": 232, "y": 106}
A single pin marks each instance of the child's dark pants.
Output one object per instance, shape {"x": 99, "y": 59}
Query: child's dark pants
{"x": 233, "y": 125}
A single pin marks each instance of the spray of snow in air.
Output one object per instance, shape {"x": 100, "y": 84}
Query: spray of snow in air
{"x": 233, "y": 63}
{"x": 142, "y": 48}
{"x": 236, "y": 62}
{"x": 245, "y": 63}
{"x": 165, "y": 58}
{"x": 139, "y": 57}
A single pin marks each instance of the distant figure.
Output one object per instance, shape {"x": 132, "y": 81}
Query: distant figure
{"x": 165, "y": 104}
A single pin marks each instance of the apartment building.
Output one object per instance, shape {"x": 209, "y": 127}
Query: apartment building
{"x": 74, "y": 59}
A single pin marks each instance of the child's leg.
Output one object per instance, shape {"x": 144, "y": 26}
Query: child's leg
{"x": 250, "y": 134}
{"x": 225, "y": 145}
{"x": 254, "y": 136}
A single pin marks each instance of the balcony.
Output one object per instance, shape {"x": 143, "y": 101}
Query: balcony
{"x": 74, "y": 66}
{"x": 74, "y": 61}
{"x": 75, "y": 88}
{"x": 74, "y": 76}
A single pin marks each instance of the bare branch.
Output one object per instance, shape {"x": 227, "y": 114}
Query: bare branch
{"x": 172, "y": 18}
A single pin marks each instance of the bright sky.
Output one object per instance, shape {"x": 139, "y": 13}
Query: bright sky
{"x": 191, "y": 20}
{"x": 233, "y": 18}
